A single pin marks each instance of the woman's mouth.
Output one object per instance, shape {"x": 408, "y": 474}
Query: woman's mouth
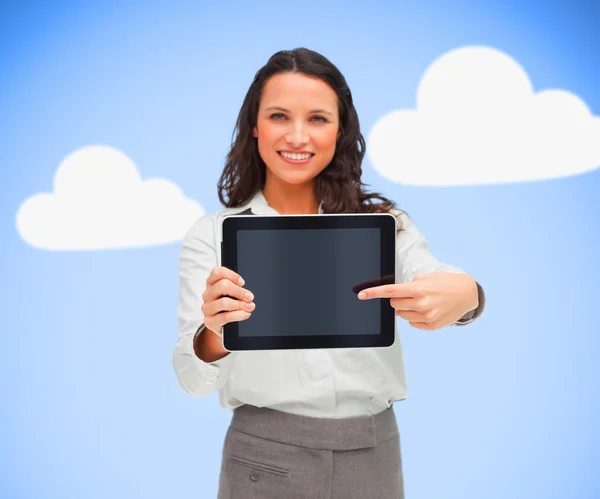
{"x": 296, "y": 158}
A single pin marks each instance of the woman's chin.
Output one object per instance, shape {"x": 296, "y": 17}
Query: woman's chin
{"x": 296, "y": 177}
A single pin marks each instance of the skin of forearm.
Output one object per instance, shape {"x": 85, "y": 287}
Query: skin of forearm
{"x": 208, "y": 346}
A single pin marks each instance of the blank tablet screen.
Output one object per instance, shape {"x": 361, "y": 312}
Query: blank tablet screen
{"x": 303, "y": 281}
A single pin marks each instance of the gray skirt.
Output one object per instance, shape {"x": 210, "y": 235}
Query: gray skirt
{"x": 271, "y": 454}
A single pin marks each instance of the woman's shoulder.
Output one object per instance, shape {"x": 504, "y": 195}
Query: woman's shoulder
{"x": 402, "y": 219}
{"x": 208, "y": 225}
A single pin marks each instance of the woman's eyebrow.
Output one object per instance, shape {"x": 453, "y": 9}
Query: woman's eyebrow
{"x": 287, "y": 111}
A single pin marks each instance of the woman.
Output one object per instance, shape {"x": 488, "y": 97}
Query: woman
{"x": 306, "y": 423}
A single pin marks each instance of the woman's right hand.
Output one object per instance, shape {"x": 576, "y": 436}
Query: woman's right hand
{"x": 224, "y": 299}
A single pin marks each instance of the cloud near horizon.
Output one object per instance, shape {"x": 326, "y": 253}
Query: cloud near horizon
{"x": 100, "y": 202}
{"x": 479, "y": 121}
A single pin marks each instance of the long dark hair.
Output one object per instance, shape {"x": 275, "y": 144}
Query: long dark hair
{"x": 339, "y": 185}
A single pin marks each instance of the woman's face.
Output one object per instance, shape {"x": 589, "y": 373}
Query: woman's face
{"x": 296, "y": 127}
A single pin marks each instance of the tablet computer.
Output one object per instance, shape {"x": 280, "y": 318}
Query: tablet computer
{"x": 305, "y": 272}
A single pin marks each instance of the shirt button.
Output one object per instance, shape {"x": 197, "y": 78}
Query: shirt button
{"x": 254, "y": 475}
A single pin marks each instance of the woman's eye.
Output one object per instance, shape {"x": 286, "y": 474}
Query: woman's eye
{"x": 281, "y": 116}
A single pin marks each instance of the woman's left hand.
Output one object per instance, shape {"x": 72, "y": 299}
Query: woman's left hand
{"x": 430, "y": 301}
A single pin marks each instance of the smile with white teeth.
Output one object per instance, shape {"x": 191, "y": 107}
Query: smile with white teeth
{"x": 295, "y": 156}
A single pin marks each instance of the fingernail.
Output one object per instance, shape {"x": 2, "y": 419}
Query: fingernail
{"x": 249, "y": 306}
{"x": 249, "y": 296}
{"x": 362, "y": 294}
{"x": 241, "y": 281}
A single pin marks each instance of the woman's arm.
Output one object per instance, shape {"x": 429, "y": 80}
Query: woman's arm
{"x": 200, "y": 365}
{"x": 208, "y": 346}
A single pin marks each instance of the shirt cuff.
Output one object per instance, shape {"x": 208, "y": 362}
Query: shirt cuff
{"x": 210, "y": 372}
{"x": 475, "y": 313}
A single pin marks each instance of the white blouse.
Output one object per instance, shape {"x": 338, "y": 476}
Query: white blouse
{"x": 333, "y": 383}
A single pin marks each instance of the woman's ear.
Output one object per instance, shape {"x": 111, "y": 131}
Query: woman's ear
{"x": 254, "y": 132}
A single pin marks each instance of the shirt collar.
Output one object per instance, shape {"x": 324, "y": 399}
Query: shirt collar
{"x": 258, "y": 205}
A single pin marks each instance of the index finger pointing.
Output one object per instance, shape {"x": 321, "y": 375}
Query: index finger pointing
{"x": 220, "y": 272}
{"x": 405, "y": 290}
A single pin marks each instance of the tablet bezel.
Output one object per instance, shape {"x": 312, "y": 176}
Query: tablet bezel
{"x": 385, "y": 222}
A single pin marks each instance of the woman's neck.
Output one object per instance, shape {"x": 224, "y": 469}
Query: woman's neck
{"x": 291, "y": 199}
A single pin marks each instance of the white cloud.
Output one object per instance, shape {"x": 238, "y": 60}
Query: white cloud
{"x": 101, "y": 202}
{"x": 479, "y": 121}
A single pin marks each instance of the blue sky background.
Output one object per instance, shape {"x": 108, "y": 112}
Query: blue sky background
{"x": 506, "y": 407}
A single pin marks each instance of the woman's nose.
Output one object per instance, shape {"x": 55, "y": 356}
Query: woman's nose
{"x": 297, "y": 136}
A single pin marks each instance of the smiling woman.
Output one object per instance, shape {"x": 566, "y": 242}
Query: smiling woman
{"x": 306, "y": 423}
{"x": 298, "y": 140}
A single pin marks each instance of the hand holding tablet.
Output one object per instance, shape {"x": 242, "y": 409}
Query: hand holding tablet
{"x": 224, "y": 299}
